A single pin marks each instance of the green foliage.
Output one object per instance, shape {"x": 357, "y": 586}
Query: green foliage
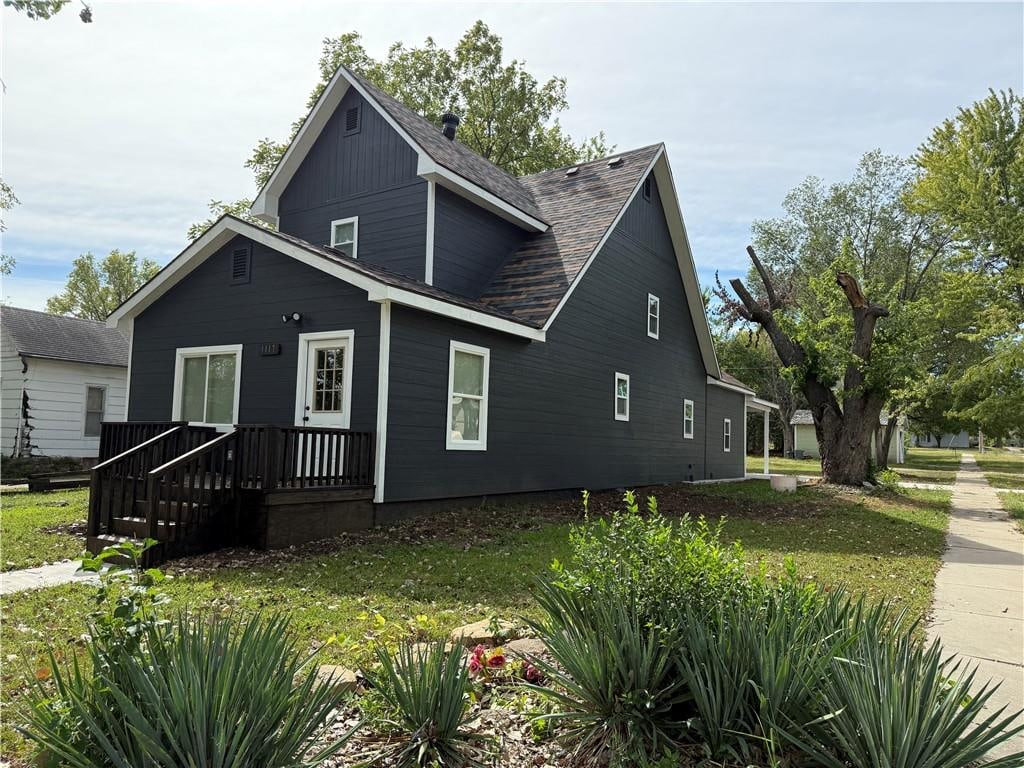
{"x": 426, "y": 692}
{"x": 204, "y": 692}
{"x": 218, "y": 208}
{"x": 36, "y": 10}
{"x": 889, "y": 479}
{"x": 7, "y": 201}
{"x": 94, "y": 290}
{"x": 654, "y": 563}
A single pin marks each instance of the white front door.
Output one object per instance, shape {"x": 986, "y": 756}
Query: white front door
{"x": 325, "y": 364}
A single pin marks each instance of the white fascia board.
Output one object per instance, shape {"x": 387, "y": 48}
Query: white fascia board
{"x": 224, "y": 230}
{"x": 264, "y": 206}
{"x": 687, "y": 267}
{"x": 431, "y": 171}
{"x": 757, "y": 404}
{"x": 604, "y": 239}
{"x": 726, "y": 385}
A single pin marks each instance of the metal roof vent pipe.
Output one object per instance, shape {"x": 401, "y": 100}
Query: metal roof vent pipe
{"x": 449, "y": 125}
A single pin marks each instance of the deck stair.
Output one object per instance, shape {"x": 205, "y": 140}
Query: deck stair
{"x": 187, "y": 486}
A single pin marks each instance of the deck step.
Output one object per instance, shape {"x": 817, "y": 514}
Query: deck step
{"x": 166, "y": 511}
{"x": 138, "y": 527}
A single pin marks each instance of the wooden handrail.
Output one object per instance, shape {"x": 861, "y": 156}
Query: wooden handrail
{"x": 140, "y": 447}
{"x": 186, "y": 457}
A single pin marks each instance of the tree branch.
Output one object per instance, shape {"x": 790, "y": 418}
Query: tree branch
{"x": 766, "y": 280}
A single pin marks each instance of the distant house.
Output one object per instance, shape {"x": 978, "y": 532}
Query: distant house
{"x": 60, "y": 377}
{"x": 948, "y": 440}
{"x": 806, "y": 440}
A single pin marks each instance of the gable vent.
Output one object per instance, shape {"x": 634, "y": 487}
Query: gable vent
{"x": 615, "y": 162}
{"x": 241, "y": 263}
{"x": 351, "y": 120}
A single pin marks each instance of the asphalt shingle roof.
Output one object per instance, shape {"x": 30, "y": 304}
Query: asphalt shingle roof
{"x": 805, "y": 417}
{"x": 728, "y": 378}
{"x": 579, "y": 208}
{"x": 38, "y": 334}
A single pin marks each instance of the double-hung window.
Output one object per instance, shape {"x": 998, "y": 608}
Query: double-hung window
{"x": 95, "y": 401}
{"x": 727, "y": 435}
{"x": 653, "y": 316}
{"x": 688, "y": 419}
{"x": 621, "y": 397}
{"x": 345, "y": 235}
{"x": 468, "y": 373}
{"x": 206, "y": 384}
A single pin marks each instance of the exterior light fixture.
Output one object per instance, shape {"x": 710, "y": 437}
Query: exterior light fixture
{"x": 294, "y": 317}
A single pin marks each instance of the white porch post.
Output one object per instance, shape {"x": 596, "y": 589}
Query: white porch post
{"x": 765, "y": 413}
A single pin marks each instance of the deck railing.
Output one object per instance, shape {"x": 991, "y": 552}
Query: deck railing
{"x": 116, "y": 437}
{"x": 272, "y": 457}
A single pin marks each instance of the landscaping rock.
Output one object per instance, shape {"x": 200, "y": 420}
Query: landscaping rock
{"x": 481, "y": 632}
{"x": 525, "y": 646}
{"x": 342, "y": 678}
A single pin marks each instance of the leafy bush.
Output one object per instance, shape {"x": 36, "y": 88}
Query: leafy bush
{"x": 660, "y": 566}
{"x": 425, "y": 690}
{"x": 889, "y": 479}
{"x": 200, "y": 692}
{"x": 612, "y": 679}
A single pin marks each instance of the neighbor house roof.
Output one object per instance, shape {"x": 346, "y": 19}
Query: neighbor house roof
{"x": 805, "y": 417}
{"x": 38, "y": 334}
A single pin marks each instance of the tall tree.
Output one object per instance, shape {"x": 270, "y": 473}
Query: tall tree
{"x": 972, "y": 177}
{"x": 94, "y": 290}
{"x": 7, "y": 201}
{"x": 841, "y": 283}
{"x": 38, "y": 10}
{"x": 508, "y": 116}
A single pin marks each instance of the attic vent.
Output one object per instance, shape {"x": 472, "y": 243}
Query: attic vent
{"x": 573, "y": 171}
{"x": 647, "y": 188}
{"x": 615, "y": 162}
{"x": 351, "y": 120}
{"x": 241, "y": 265}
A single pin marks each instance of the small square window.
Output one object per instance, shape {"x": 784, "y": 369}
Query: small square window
{"x": 653, "y": 316}
{"x": 621, "y": 397}
{"x": 688, "y": 419}
{"x": 727, "y": 435}
{"x": 345, "y": 235}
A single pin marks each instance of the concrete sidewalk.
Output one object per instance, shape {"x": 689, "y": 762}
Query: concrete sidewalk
{"x": 45, "y": 576}
{"x": 979, "y": 591}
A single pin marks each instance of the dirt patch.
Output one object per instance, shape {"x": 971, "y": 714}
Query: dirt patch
{"x": 76, "y": 528}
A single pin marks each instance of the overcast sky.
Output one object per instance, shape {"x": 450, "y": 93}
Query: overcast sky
{"x": 117, "y": 133}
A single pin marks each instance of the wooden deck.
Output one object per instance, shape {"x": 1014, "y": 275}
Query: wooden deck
{"x": 194, "y": 488}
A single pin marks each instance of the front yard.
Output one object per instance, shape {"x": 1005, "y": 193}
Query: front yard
{"x": 424, "y": 577}
{"x": 42, "y": 528}
{"x": 1002, "y": 468}
{"x": 923, "y": 465}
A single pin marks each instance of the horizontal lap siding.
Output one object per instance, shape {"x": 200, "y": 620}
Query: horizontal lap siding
{"x": 370, "y": 174}
{"x": 725, "y": 404}
{"x": 205, "y": 310}
{"x": 470, "y": 244}
{"x": 12, "y": 379}
{"x": 551, "y": 409}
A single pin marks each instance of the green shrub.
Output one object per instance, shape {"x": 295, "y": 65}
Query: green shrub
{"x": 427, "y": 692}
{"x": 199, "y": 692}
{"x": 612, "y": 679}
{"x": 889, "y": 479}
{"x": 660, "y": 566}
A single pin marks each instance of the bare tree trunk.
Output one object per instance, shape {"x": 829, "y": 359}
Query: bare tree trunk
{"x": 886, "y": 442}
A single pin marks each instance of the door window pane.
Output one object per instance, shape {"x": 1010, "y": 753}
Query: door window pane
{"x": 469, "y": 374}
{"x": 220, "y": 390}
{"x": 329, "y": 379}
{"x": 193, "y": 389}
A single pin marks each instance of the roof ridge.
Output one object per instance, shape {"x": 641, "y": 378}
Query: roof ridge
{"x": 596, "y": 160}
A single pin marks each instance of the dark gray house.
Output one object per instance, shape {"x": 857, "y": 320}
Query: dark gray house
{"x": 490, "y": 334}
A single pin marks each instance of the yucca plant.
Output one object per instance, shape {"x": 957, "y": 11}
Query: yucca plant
{"x": 202, "y": 692}
{"x": 613, "y": 682}
{"x": 427, "y": 690}
{"x": 893, "y": 703}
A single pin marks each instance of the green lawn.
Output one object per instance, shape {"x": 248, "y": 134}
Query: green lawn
{"x": 1002, "y": 468}
{"x": 1014, "y": 504}
{"x": 37, "y": 528}
{"x": 425, "y": 577}
{"x": 923, "y": 465}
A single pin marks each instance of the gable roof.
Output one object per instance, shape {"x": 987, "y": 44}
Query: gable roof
{"x": 38, "y": 334}
{"x": 448, "y": 163}
{"x": 380, "y": 284}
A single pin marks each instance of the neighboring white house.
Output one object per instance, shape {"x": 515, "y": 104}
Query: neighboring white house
{"x": 59, "y": 378}
{"x": 947, "y": 440}
{"x": 805, "y": 439}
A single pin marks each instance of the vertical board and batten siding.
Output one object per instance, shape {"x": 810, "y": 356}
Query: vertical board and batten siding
{"x": 470, "y": 244}
{"x": 205, "y": 309}
{"x": 12, "y": 382}
{"x": 725, "y": 404}
{"x": 551, "y": 422}
{"x": 56, "y": 391}
{"x": 370, "y": 174}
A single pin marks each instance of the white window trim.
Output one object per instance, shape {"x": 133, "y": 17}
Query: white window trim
{"x": 301, "y": 382}
{"x": 480, "y": 444}
{"x": 179, "y": 372}
{"x": 688, "y": 433}
{"x": 354, "y": 221}
{"x": 615, "y": 399}
{"x": 85, "y": 409}
{"x": 656, "y": 315}
{"x": 727, "y": 435}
